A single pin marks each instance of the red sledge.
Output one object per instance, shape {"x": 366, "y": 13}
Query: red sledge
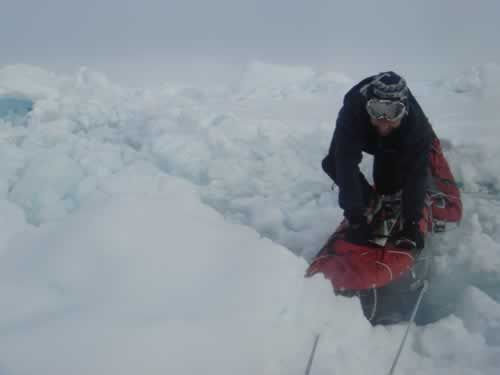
{"x": 388, "y": 279}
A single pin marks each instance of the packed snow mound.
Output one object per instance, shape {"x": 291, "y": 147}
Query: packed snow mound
{"x": 12, "y": 223}
{"x": 476, "y": 168}
{"x": 482, "y": 80}
{"x": 145, "y": 278}
{"x": 281, "y": 82}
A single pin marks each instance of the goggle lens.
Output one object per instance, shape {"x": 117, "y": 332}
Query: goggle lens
{"x": 386, "y": 109}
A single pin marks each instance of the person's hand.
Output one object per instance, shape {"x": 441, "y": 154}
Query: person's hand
{"x": 411, "y": 237}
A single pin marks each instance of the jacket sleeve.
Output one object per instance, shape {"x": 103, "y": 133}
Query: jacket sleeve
{"x": 342, "y": 161}
{"x": 420, "y": 143}
{"x": 416, "y": 182}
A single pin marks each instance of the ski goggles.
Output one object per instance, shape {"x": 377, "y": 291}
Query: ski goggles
{"x": 386, "y": 109}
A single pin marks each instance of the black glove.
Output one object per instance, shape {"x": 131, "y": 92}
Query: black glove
{"x": 358, "y": 232}
{"x": 411, "y": 237}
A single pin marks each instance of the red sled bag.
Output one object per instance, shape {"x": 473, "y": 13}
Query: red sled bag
{"x": 446, "y": 204}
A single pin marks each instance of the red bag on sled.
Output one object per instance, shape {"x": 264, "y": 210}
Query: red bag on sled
{"x": 446, "y": 204}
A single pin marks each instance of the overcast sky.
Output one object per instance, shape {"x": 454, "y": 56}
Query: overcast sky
{"x": 315, "y": 32}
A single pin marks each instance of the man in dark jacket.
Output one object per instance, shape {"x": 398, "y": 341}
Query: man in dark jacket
{"x": 381, "y": 117}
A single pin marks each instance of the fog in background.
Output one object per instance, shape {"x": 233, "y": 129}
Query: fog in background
{"x": 155, "y": 40}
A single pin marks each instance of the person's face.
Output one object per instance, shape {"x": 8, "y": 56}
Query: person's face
{"x": 385, "y": 127}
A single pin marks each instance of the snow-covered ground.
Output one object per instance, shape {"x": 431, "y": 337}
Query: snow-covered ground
{"x": 167, "y": 230}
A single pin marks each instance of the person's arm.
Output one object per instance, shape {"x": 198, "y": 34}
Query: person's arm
{"x": 416, "y": 183}
{"x": 342, "y": 161}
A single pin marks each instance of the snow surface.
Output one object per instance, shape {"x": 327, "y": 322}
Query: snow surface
{"x": 167, "y": 230}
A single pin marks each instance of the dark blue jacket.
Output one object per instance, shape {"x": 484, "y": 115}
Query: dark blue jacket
{"x": 354, "y": 133}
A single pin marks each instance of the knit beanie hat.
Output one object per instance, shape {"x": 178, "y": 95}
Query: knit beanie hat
{"x": 389, "y": 86}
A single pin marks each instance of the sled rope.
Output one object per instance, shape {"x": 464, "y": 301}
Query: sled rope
{"x": 438, "y": 194}
{"x": 413, "y": 314}
{"x": 386, "y": 267}
{"x": 311, "y": 356}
